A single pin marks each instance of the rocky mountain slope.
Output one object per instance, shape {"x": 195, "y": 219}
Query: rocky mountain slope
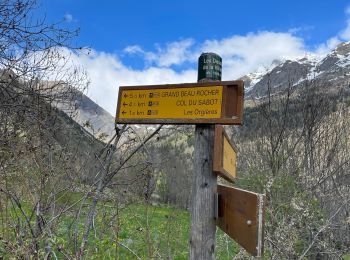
{"x": 333, "y": 68}
{"x": 94, "y": 118}
{"x": 91, "y": 116}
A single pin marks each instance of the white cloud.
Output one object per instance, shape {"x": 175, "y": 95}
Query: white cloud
{"x": 347, "y": 10}
{"x": 241, "y": 54}
{"x": 133, "y": 49}
{"x": 107, "y": 73}
{"x": 175, "y": 53}
{"x": 244, "y": 54}
{"x": 68, "y": 18}
{"x": 329, "y": 45}
{"x": 343, "y": 35}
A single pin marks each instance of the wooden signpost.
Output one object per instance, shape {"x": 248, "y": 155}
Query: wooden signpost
{"x": 207, "y": 104}
{"x": 241, "y": 216}
{"x": 191, "y": 103}
{"x": 225, "y": 154}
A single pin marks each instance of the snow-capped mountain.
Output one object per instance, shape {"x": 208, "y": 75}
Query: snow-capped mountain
{"x": 334, "y": 67}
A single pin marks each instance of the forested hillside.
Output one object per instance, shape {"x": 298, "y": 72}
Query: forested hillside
{"x": 293, "y": 147}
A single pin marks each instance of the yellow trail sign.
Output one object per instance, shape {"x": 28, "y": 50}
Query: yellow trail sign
{"x": 189, "y": 103}
{"x": 229, "y": 158}
{"x": 200, "y": 102}
{"x": 225, "y": 155}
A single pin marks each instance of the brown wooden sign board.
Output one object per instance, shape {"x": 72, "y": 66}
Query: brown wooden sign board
{"x": 241, "y": 216}
{"x": 218, "y": 102}
{"x": 225, "y": 155}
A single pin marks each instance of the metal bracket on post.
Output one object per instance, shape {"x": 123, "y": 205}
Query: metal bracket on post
{"x": 216, "y": 206}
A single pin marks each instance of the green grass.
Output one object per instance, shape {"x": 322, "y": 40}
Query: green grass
{"x": 159, "y": 232}
{"x": 145, "y": 231}
{"x": 152, "y": 232}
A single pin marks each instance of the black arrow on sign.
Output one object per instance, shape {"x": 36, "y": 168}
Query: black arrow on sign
{"x": 123, "y": 112}
{"x": 125, "y": 104}
{"x": 125, "y": 95}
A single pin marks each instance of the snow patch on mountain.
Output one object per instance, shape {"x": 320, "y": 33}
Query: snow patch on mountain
{"x": 309, "y": 66}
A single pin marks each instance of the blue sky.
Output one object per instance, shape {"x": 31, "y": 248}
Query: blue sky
{"x": 158, "y": 42}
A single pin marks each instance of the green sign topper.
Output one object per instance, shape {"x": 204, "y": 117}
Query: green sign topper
{"x": 209, "y": 66}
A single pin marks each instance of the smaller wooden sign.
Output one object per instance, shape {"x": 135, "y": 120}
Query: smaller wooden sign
{"x": 241, "y": 216}
{"x": 225, "y": 155}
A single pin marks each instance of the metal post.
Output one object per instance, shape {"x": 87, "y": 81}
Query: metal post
{"x": 204, "y": 187}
